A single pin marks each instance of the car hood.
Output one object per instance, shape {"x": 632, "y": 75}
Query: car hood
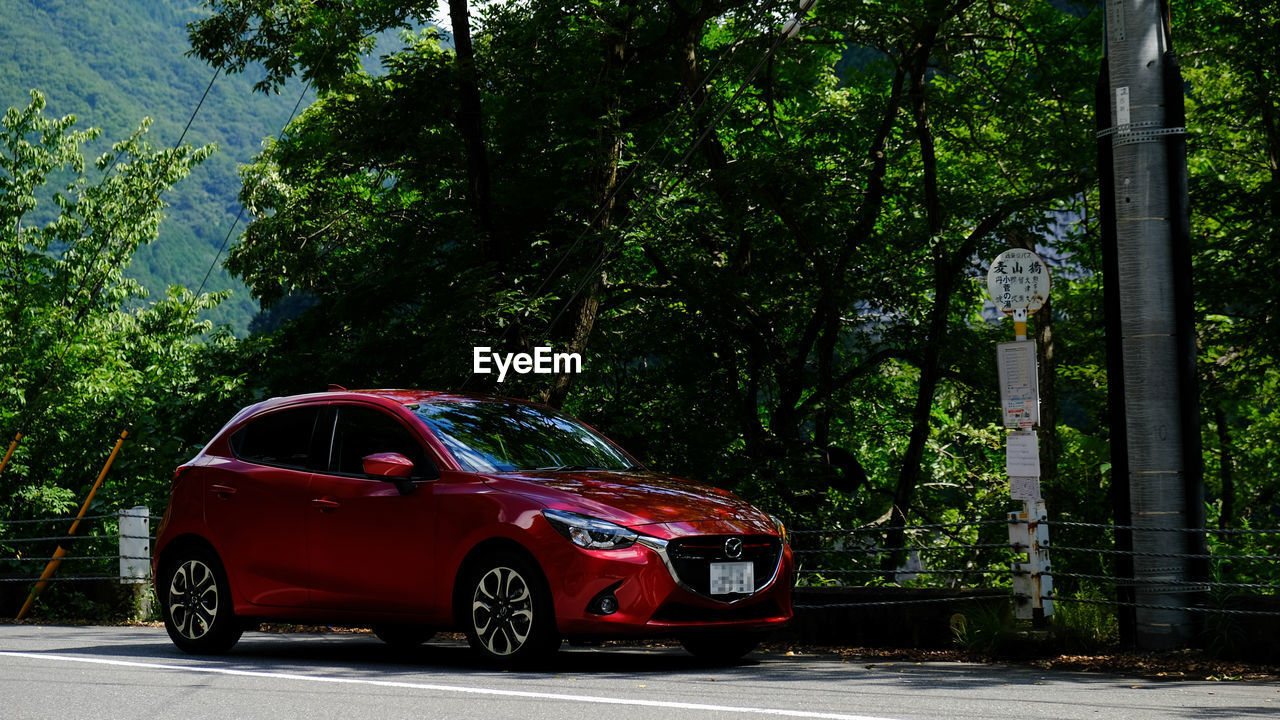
{"x": 639, "y": 499}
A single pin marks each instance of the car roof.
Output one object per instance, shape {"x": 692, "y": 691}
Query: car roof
{"x": 384, "y": 395}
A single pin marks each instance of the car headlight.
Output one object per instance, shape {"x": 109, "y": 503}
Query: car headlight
{"x": 781, "y": 528}
{"x": 588, "y": 532}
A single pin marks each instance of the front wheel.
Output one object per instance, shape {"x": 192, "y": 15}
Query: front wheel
{"x": 508, "y": 614}
{"x": 195, "y": 603}
{"x": 720, "y": 647}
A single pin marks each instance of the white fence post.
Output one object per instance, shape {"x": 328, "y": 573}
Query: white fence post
{"x": 1032, "y": 579}
{"x": 135, "y": 545}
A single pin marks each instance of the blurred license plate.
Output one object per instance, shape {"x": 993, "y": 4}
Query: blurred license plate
{"x": 732, "y": 577}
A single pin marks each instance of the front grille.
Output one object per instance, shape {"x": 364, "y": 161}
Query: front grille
{"x": 692, "y": 557}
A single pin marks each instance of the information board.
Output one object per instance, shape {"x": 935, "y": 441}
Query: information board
{"x": 1019, "y": 385}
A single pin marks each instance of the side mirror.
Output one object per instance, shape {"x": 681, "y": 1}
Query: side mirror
{"x": 392, "y": 466}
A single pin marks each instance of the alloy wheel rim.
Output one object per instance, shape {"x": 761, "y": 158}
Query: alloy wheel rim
{"x": 193, "y": 599}
{"x": 502, "y": 611}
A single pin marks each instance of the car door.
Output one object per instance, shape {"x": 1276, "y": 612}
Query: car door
{"x": 371, "y": 544}
{"x": 255, "y": 501}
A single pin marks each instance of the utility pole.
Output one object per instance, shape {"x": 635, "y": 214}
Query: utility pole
{"x": 1157, "y": 470}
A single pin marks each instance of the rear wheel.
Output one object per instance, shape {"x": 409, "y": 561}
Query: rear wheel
{"x": 507, "y": 610}
{"x": 720, "y": 647}
{"x": 195, "y": 602}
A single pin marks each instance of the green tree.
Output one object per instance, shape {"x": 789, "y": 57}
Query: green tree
{"x": 82, "y": 355}
{"x": 787, "y": 300}
{"x": 1231, "y": 63}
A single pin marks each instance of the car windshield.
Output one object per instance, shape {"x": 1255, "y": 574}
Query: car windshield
{"x": 493, "y": 436}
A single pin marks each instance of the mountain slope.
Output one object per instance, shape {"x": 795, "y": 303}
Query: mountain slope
{"x": 112, "y": 62}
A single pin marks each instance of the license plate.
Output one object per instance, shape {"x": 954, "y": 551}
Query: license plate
{"x": 732, "y": 577}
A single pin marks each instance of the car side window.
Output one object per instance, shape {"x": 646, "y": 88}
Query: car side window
{"x": 283, "y": 439}
{"x": 363, "y": 431}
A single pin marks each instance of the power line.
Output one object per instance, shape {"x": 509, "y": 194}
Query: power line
{"x": 68, "y": 330}
{"x": 306, "y": 86}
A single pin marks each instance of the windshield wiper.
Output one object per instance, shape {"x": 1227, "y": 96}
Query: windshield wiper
{"x": 559, "y": 468}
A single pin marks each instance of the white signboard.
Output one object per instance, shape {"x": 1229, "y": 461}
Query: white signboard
{"x": 1019, "y": 386}
{"x": 1018, "y": 280}
{"x": 1022, "y": 455}
{"x": 1025, "y": 488}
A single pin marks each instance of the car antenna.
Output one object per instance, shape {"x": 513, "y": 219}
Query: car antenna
{"x": 336, "y": 388}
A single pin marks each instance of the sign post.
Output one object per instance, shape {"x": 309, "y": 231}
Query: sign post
{"x": 1018, "y": 282}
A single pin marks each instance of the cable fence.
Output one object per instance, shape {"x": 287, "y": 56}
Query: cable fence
{"x": 106, "y": 547}
{"x": 970, "y": 561}
{"x": 987, "y": 560}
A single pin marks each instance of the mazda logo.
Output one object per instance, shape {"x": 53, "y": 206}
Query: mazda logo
{"x": 733, "y": 548}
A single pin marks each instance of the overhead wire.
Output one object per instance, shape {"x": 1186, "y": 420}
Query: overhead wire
{"x": 78, "y": 315}
{"x": 234, "y": 223}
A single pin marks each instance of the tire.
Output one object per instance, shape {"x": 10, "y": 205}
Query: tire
{"x": 195, "y": 602}
{"x": 403, "y": 637}
{"x": 506, "y": 610}
{"x": 720, "y": 648}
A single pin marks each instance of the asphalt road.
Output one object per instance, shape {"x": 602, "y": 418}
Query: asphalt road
{"x": 107, "y": 672}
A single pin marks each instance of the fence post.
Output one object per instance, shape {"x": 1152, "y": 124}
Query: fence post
{"x": 1032, "y": 579}
{"x": 135, "y": 545}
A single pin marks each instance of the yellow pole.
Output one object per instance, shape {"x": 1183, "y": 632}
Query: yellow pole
{"x": 56, "y": 560}
{"x": 12, "y": 446}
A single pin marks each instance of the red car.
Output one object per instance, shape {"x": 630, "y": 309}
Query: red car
{"x": 413, "y": 511}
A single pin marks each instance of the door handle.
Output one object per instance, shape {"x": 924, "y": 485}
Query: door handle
{"x": 325, "y": 503}
{"x": 222, "y": 491}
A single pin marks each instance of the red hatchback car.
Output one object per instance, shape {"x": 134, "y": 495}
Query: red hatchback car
{"x": 415, "y": 511}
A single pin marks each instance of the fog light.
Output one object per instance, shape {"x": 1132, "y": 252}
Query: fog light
{"x": 605, "y": 602}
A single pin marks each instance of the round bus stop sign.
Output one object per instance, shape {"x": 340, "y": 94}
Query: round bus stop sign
{"x": 1018, "y": 280}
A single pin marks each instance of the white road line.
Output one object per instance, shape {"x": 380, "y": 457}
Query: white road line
{"x": 594, "y": 699}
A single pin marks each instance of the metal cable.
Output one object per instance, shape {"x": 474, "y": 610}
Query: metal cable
{"x": 879, "y": 551}
{"x": 1215, "y": 531}
{"x": 1152, "y": 581}
{"x": 14, "y": 541}
{"x": 880, "y": 529}
{"x": 918, "y": 601}
{"x": 1220, "y": 611}
{"x": 941, "y": 571}
{"x": 217, "y": 256}
{"x": 55, "y": 520}
{"x": 1197, "y": 556}
{"x": 69, "y": 558}
{"x": 59, "y": 579}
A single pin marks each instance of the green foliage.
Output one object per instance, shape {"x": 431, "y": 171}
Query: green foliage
{"x": 984, "y": 628}
{"x": 110, "y": 62}
{"x": 1083, "y": 626}
{"x": 83, "y": 357}
{"x": 786, "y": 299}
{"x": 1233, "y": 119}
{"x": 769, "y": 314}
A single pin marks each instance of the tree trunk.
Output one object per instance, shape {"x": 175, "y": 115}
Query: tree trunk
{"x": 470, "y": 124}
{"x": 585, "y": 304}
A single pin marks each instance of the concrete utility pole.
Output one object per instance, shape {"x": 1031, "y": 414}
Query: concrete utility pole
{"x": 1150, "y": 330}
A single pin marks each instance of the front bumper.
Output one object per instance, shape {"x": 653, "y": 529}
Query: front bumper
{"x": 655, "y": 593}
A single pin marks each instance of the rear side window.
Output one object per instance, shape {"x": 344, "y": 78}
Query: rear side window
{"x": 365, "y": 431}
{"x": 284, "y": 439}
